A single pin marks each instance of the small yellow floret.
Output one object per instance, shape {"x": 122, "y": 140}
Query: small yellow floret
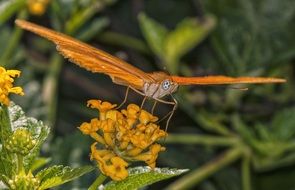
{"x": 6, "y": 86}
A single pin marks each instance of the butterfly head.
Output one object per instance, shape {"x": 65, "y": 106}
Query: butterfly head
{"x": 161, "y": 89}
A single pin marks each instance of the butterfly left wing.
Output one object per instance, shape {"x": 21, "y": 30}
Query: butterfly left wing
{"x": 90, "y": 58}
{"x": 218, "y": 80}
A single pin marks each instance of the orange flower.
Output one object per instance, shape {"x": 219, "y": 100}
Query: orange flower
{"x": 127, "y": 136}
{"x": 117, "y": 169}
{"x": 103, "y": 107}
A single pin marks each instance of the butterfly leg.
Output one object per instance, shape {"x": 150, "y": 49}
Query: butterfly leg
{"x": 144, "y": 99}
{"x": 170, "y": 114}
{"x": 125, "y": 98}
{"x": 154, "y": 106}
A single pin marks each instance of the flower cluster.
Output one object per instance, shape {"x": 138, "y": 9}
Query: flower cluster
{"x": 124, "y": 136}
{"x": 37, "y": 7}
{"x": 21, "y": 142}
{"x": 24, "y": 181}
{"x": 6, "y": 86}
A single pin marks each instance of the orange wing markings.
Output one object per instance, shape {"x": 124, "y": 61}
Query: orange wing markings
{"x": 211, "y": 80}
{"x": 115, "y": 73}
{"x": 91, "y": 58}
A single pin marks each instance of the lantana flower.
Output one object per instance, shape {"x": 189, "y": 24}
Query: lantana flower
{"x": 37, "y": 7}
{"x": 6, "y": 85}
{"x": 122, "y": 137}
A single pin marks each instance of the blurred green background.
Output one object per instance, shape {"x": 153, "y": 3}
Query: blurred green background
{"x": 230, "y": 139}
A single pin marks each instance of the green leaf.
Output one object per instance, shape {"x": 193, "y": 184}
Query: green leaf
{"x": 39, "y": 162}
{"x": 7, "y": 166}
{"x": 57, "y": 175}
{"x": 93, "y": 28}
{"x": 79, "y": 18}
{"x": 188, "y": 33}
{"x": 283, "y": 124}
{"x": 38, "y": 130}
{"x": 9, "y": 7}
{"x": 143, "y": 176}
{"x": 154, "y": 33}
{"x": 5, "y": 126}
{"x": 6, "y": 159}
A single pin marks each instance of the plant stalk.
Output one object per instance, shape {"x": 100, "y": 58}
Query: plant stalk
{"x": 202, "y": 139}
{"x": 246, "y": 179}
{"x": 195, "y": 177}
{"x": 99, "y": 180}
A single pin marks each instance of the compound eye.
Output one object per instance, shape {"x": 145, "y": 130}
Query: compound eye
{"x": 166, "y": 84}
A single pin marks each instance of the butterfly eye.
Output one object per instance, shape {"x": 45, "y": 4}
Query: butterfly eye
{"x": 166, "y": 84}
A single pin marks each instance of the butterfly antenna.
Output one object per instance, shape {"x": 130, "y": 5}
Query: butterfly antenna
{"x": 125, "y": 98}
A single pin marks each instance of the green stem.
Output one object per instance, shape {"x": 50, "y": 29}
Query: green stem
{"x": 13, "y": 42}
{"x": 79, "y": 19}
{"x": 246, "y": 179}
{"x": 51, "y": 87}
{"x": 201, "y": 139}
{"x": 201, "y": 117}
{"x": 198, "y": 175}
{"x": 20, "y": 165}
{"x": 99, "y": 180}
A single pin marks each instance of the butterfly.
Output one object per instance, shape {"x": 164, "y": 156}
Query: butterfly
{"x": 155, "y": 85}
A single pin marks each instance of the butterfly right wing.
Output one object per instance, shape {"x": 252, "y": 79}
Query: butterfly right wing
{"x": 220, "y": 80}
{"x": 90, "y": 58}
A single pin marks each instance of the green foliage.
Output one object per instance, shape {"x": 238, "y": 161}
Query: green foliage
{"x": 57, "y": 175}
{"x": 21, "y": 140}
{"x": 252, "y": 35}
{"x": 274, "y": 146}
{"x": 8, "y": 8}
{"x": 170, "y": 46}
{"x": 154, "y": 34}
{"x": 143, "y": 176}
{"x": 187, "y": 34}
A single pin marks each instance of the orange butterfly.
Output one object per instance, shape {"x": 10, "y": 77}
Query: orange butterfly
{"x": 154, "y": 85}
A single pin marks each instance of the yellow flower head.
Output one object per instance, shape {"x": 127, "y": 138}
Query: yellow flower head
{"x": 37, "y": 7}
{"x": 6, "y": 85}
{"x": 124, "y": 136}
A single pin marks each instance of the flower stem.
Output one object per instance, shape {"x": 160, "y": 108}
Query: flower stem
{"x": 201, "y": 139}
{"x": 20, "y": 165}
{"x": 246, "y": 180}
{"x": 196, "y": 176}
{"x": 99, "y": 180}
{"x": 51, "y": 87}
{"x": 13, "y": 41}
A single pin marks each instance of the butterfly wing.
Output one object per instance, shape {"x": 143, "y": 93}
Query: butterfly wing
{"x": 90, "y": 58}
{"x": 215, "y": 80}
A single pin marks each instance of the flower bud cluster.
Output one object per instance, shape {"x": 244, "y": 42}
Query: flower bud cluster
{"x": 24, "y": 182}
{"x": 20, "y": 142}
